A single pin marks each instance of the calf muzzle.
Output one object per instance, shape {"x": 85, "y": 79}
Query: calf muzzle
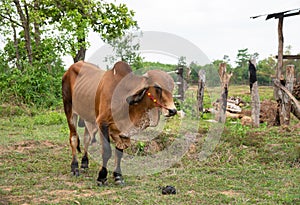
{"x": 172, "y": 112}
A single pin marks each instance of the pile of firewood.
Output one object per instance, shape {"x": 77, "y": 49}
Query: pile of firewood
{"x": 296, "y": 90}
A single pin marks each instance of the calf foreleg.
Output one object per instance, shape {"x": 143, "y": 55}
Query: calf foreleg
{"x": 106, "y": 154}
{"x": 118, "y": 173}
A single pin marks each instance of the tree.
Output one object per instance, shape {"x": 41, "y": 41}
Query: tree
{"x": 241, "y": 70}
{"x": 74, "y": 20}
{"x": 126, "y": 48}
{"x": 265, "y": 70}
{"x": 66, "y": 22}
{"x": 38, "y": 32}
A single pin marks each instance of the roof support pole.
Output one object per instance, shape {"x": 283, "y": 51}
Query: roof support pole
{"x": 277, "y": 91}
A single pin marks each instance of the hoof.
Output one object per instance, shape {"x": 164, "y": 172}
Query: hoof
{"x": 102, "y": 182}
{"x": 84, "y": 162}
{"x": 76, "y": 172}
{"x": 74, "y": 168}
{"x": 119, "y": 180}
{"x": 84, "y": 166}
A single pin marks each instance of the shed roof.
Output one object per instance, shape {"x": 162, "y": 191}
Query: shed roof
{"x": 282, "y": 14}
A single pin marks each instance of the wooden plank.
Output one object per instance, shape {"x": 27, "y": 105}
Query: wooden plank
{"x": 290, "y": 56}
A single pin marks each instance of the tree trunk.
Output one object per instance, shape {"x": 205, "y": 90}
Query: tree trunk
{"x": 37, "y": 32}
{"x": 200, "y": 93}
{"x": 16, "y": 45}
{"x": 26, "y": 28}
{"x": 80, "y": 55}
{"x": 224, "y": 78}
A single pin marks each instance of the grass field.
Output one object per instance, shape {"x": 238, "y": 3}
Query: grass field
{"x": 248, "y": 165}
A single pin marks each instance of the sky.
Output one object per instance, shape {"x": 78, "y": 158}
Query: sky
{"x": 218, "y": 28}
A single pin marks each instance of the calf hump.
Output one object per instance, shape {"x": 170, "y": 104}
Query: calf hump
{"x": 121, "y": 69}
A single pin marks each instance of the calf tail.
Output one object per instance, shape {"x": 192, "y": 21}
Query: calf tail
{"x": 67, "y": 101}
{"x": 78, "y": 146}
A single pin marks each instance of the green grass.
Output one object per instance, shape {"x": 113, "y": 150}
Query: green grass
{"x": 248, "y": 166}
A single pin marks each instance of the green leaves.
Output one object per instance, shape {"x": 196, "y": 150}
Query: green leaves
{"x": 34, "y": 87}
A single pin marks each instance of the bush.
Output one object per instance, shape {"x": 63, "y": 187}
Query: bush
{"x": 33, "y": 86}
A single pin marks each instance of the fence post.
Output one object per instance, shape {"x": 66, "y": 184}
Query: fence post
{"x": 286, "y": 101}
{"x": 224, "y": 78}
{"x": 255, "y": 102}
{"x": 200, "y": 93}
{"x": 180, "y": 82}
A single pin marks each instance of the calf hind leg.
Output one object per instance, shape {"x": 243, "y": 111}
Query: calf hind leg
{"x": 85, "y": 159}
{"x": 75, "y": 145}
{"x": 90, "y": 130}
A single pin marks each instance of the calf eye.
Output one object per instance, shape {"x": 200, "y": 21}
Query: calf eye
{"x": 158, "y": 90}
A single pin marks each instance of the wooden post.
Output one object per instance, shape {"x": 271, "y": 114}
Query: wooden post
{"x": 180, "y": 82}
{"x": 255, "y": 102}
{"x": 277, "y": 91}
{"x": 252, "y": 73}
{"x": 255, "y": 105}
{"x": 200, "y": 93}
{"x": 286, "y": 101}
{"x": 295, "y": 102}
{"x": 280, "y": 48}
{"x": 224, "y": 78}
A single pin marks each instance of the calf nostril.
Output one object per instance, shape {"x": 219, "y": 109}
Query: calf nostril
{"x": 172, "y": 112}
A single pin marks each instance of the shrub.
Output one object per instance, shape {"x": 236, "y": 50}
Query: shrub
{"x": 34, "y": 86}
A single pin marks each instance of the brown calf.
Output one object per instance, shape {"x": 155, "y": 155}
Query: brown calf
{"x": 118, "y": 103}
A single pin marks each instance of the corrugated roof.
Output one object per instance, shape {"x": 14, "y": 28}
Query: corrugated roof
{"x": 287, "y": 13}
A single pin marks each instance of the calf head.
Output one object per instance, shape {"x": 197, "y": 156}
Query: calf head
{"x": 155, "y": 91}
{"x": 138, "y": 101}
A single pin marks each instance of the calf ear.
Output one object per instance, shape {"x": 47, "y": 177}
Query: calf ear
{"x": 137, "y": 97}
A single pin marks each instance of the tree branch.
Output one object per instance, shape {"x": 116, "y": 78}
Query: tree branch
{"x": 10, "y": 19}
